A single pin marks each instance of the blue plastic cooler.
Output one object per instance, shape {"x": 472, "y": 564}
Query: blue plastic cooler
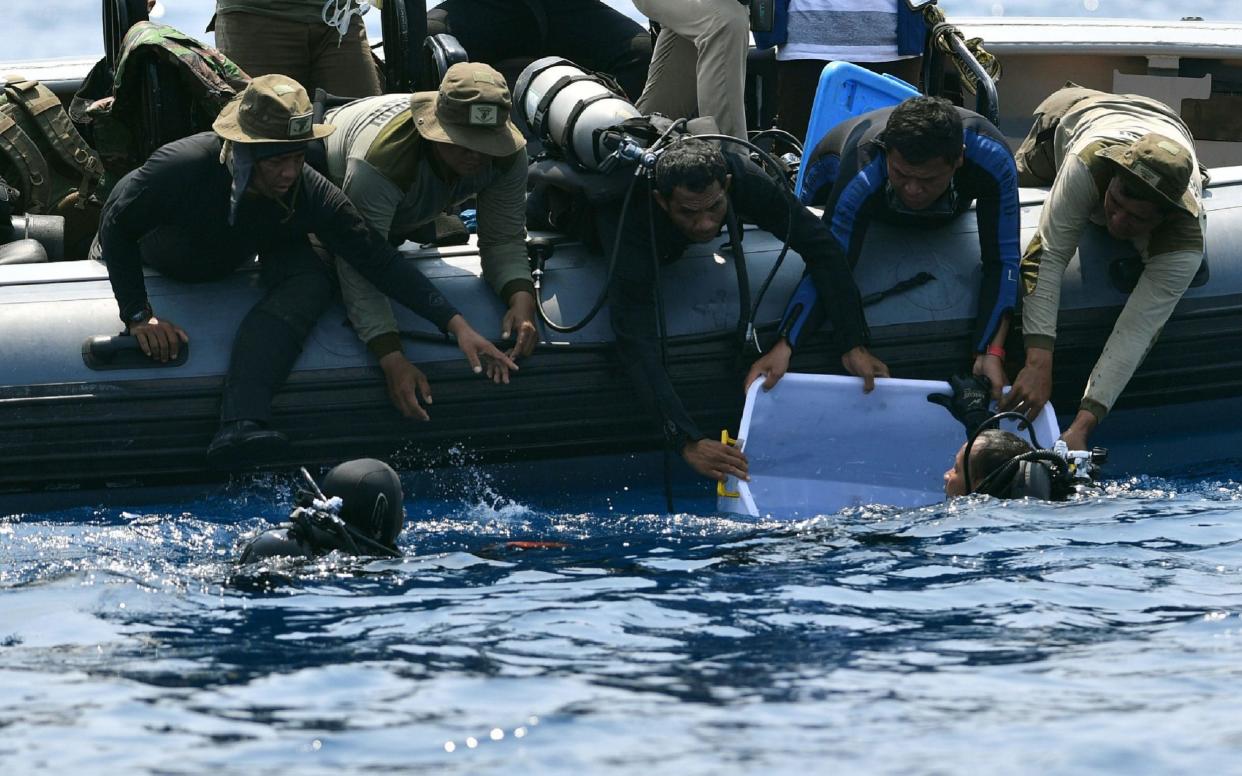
{"x": 846, "y": 90}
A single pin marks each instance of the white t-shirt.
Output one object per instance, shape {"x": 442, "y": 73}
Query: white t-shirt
{"x": 846, "y": 30}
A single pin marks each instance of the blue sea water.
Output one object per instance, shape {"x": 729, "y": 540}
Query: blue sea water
{"x": 1100, "y": 636}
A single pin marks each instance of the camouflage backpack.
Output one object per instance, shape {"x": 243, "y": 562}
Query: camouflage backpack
{"x": 53, "y": 168}
{"x": 167, "y": 85}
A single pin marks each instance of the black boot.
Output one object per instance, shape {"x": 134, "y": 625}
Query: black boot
{"x": 243, "y": 443}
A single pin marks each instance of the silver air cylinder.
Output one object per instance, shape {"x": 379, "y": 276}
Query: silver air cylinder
{"x": 567, "y": 109}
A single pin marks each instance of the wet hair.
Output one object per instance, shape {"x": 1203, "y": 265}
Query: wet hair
{"x": 993, "y": 449}
{"x": 692, "y": 163}
{"x": 925, "y": 128}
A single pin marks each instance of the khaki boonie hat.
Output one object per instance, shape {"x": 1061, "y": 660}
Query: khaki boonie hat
{"x": 471, "y": 110}
{"x": 1160, "y": 163}
{"x": 272, "y": 109}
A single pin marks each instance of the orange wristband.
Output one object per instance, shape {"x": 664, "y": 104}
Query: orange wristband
{"x": 996, "y": 350}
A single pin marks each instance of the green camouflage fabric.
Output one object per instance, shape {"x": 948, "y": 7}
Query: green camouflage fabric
{"x": 167, "y": 85}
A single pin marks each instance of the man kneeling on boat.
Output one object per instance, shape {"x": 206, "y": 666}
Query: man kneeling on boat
{"x": 917, "y": 165}
{"x": 402, "y": 159}
{"x": 696, "y": 188}
{"x": 202, "y": 206}
{"x": 1127, "y": 163}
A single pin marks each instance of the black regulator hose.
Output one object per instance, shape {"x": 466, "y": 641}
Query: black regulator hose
{"x": 784, "y": 183}
{"x": 1024, "y": 423}
{"x": 616, "y": 248}
{"x": 612, "y": 268}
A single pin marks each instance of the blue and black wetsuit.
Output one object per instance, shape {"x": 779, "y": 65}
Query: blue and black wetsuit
{"x": 848, "y": 174}
{"x": 756, "y": 199}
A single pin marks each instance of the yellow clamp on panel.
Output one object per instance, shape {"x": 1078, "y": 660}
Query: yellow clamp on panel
{"x": 725, "y": 439}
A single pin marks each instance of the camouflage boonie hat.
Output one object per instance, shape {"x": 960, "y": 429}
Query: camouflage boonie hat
{"x": 471, "y": 110}
{"x": 1161, "y": 164}
{"x": 272, "y": 109}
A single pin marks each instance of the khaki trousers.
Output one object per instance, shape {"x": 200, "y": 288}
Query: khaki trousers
{"x": 699, "y": 61}
{"x": 311, "y": 54}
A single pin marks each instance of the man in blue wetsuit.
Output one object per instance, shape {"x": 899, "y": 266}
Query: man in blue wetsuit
{"x": 696, "y": 187}
{"x": 919, "y": 164}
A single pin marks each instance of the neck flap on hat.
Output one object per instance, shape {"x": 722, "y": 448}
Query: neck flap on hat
{"x": 242, "y": 157}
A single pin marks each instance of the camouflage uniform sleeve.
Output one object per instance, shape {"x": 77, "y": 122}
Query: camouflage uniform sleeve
{"x": 1166, "y": 276}
{"x": 1064, "y": 216}
{"x": 502, "y": 231}
{"x": 376, "y": 198}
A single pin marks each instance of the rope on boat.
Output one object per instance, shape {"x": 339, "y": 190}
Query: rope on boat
{"x": 942, "y": 33}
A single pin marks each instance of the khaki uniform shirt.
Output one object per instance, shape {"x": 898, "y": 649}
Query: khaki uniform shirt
{"x": 386, "y": 170}
{"x": 1171, "y": 254}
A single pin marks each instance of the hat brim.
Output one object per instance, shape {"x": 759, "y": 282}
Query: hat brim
{"x": 493, "y": 141}
{"x": 227, "y": 126}
{"x": 1187, "y": 202}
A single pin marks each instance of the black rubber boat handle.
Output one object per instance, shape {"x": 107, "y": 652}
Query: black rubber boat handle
{"x": 122, "y": 351}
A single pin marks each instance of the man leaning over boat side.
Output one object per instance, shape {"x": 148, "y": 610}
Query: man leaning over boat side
{"x": 404, "y": 158}
{"x": 696, "y": 186}
{"x": 1125, "y": 162}
{"x": 917, "y": 165}
{"x": 202, "y": 206}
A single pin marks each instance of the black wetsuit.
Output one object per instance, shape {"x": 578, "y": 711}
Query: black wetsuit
{"x": 848, "y": 174}
{"x": 755, "y": 198}
{"x": 279, "y": 542}
{"x": 172, "y": 214}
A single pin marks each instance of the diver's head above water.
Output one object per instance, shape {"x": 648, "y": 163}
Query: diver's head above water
{"x": 372, "y": 498}
{"x": 992, "y": 449}
{"x": 365, "y": 521}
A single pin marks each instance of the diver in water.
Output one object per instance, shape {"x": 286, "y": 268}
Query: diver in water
{"x": 1002, "y": 464}
{"x": 358, "y": 511}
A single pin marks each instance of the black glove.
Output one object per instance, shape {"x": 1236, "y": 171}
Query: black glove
{"x": 970, "y": 402}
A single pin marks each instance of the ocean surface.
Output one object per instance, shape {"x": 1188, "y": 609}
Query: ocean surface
{"x": 973, "y": 637}
{"x": 977, "y": 637}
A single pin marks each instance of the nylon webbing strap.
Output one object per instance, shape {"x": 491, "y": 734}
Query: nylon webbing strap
{"x": 46, "y": 110}
{"x": 30, "y": 164}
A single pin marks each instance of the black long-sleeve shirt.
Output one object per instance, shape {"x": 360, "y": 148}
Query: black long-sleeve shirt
{"x": 848, "y": 171}
{"x": 755, "y": 198}
{"x": 184, "y": 184}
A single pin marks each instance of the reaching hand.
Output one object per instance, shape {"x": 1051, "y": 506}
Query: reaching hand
{"x": 159, "y": 339}
{"x": 1033, "y": 387}
{"x": 405, "y": 383}
{"x": 716, "y": 460}
{"x": 970, "y": 401}
{"x": 479, "y": 350}
{"x": 520, "y": 318}
{"x": 993, "y": 369}
{"x": 773, "y": 365}
{"x": 860, "y": 363}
